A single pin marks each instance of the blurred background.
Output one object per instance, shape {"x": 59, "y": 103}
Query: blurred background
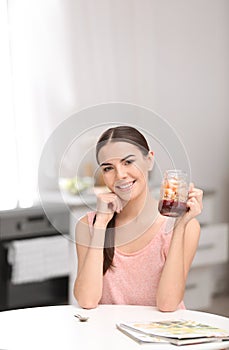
{"x": 60, "y": 57}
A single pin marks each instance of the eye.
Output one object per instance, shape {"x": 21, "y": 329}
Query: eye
{"x": 107, "y": 168}
{"x": 128, "y": 161}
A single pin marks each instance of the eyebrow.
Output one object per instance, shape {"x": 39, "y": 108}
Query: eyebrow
{"x": 122, "y": 160}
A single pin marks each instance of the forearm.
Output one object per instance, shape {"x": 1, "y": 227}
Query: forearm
{"x": 89, "y": 283}
{"x": 172, "y": 282}
{"x": 181, "y": 253}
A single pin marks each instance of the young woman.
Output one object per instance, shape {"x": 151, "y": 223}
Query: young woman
{"x": 127, "y": 252}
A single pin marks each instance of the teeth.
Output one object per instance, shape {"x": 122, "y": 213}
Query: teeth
{"x": 126, "y": 186}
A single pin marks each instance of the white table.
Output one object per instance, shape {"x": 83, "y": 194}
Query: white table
{"x": 55, "y": 327}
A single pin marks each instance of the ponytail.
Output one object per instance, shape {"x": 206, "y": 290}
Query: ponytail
{"x": 108, "y": 249}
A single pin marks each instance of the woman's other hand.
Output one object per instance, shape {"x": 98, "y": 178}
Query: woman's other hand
{"x": 194, "y": 203}
{"x": 107, "y": 205}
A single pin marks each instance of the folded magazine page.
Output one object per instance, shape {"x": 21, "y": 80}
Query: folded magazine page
{"x": 139, "y": 336}
{"x": 178, "y": 332}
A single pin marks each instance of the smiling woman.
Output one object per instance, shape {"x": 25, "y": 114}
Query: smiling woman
{"x": 124, "y": 174}
{"x": 127, "y": 252}
{"x": 131, "y": 160}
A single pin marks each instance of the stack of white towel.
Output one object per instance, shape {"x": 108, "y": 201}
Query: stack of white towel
{"x": 38, "y": 259}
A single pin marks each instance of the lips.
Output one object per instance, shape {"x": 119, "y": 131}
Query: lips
{"x": 125, "y": 186}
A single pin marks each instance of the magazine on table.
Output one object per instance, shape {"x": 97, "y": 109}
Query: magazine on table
{"x": 178, "y": 332}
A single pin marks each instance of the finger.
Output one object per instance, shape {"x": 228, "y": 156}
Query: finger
{"x": 194, "y": 206}
{"x": 109, "y": 202}
{"x": 119, "y": 204}
{"x": 105, "y": 207}
{"x": 105, "y": 203}
{"x": 191, "y": 186}
{"x": 198, "y": 194}
{"x": 191, "y": 204}
{"x": 112, "y": 206}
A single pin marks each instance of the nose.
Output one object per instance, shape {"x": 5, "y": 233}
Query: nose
{"x": 120, "y": 172}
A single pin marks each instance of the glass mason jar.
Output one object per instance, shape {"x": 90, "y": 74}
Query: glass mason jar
{"x": 173, "y": 193}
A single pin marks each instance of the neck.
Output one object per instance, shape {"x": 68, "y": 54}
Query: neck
{"x": 135, "y": 219}
{"x": 139, "y": 208}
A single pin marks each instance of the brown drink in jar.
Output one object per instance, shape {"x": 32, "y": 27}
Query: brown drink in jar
{"x": 174, "y": 193}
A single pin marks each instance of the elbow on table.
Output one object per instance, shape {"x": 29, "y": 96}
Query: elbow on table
{"x": 168, "y": 302}
{"x": 85, "y": 303}
{"x": 167, "y": 306}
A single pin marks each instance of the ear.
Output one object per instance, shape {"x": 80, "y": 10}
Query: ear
{"x": 151, "y": 160}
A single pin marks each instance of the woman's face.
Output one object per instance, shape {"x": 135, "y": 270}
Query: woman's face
{"x": 125, "y": 169}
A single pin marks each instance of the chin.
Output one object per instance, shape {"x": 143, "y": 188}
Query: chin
{"x": 129, "y": 196}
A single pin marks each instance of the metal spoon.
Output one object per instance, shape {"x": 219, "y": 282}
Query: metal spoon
{"x": 81, "y": 318}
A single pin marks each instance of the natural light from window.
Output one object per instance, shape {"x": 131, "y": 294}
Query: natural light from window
{"x": 18, "y": 173}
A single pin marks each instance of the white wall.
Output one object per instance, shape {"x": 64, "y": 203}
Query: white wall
{"x": 170, "y": 56}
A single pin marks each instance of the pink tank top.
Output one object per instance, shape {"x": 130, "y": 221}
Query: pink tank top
{"x": 135, "y": 277}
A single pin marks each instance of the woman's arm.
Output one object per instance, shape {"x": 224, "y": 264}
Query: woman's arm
{"x": 89, "y": 282}
{"x": 182, "y": 250}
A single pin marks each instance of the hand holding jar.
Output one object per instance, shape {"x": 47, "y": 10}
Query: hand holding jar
{"x": 177, "y": 197}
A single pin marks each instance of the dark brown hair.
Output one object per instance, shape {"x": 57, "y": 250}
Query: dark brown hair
{"x": 117, "y": 134}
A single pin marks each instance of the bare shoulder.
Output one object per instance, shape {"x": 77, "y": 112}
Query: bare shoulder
{"x": 84, "y": 219}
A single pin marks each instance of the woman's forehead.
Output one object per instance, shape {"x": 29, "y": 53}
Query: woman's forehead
{"x": 117, "y": 150}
